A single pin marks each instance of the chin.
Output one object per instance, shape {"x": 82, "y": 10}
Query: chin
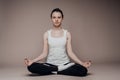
{"x": 57, "y": 26}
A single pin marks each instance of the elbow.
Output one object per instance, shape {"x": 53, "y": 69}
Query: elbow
{"x": 45, "y": 54}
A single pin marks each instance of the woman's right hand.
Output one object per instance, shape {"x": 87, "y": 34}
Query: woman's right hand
{"x": 28, "y": 62}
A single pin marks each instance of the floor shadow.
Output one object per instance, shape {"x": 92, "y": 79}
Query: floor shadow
{"x": 89, "y": 74}
{"x": 35, "y": 75}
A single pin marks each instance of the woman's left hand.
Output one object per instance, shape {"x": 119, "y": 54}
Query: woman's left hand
{"x": 87, "y": 64}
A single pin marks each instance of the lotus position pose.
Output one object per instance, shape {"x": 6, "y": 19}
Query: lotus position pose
{"x": 57, "y": 49}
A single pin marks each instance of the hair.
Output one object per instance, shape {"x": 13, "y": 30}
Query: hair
{"x": 57, "y": 10}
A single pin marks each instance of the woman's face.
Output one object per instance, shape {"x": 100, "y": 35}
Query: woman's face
{"x": 56, "y": 19}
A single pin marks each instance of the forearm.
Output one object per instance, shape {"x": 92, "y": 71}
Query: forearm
{"x": 42, "y": 56}
{"x": 75, "y": 58}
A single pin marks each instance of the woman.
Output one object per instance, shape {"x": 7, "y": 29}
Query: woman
{"x": 58, "y": 50}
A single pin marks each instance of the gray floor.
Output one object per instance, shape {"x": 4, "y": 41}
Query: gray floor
{"x": 96, "y": 72}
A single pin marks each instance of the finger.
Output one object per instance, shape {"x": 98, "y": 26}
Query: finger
{"x": 89, "y": 61}
{"x": 26, "y": 59}
{"x": 26, "y": 62}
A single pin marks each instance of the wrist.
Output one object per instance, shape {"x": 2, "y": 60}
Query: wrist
{"x": 81, "y": 63}
{"x": 33, "y": 61}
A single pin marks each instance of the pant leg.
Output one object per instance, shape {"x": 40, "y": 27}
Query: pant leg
{"x": 75, "y": 70}
{"x": 42, "y": 68}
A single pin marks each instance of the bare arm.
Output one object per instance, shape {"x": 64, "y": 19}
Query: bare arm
{"x": 43, "y": 55}
{"x": 72, "y": 54}
{"x": 45, "y": 49}
{"x": 69, "y": 50}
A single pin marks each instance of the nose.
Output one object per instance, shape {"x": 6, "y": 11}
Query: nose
{"x": 56, "y": 20}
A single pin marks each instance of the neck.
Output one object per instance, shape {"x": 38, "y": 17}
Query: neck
{"x": 57, "y": 28}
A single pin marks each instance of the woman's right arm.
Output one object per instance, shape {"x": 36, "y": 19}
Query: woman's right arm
{"x": 45, "y": 49}
{"x": 44, "y": 52}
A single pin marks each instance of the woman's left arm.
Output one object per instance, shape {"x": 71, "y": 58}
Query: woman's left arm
{"x": 71, "y": 54}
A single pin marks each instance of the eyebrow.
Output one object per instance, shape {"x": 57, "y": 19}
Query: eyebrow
{"x": 57, "y": 16}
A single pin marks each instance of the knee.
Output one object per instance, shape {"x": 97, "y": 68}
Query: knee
{"x": 84, "y": 72}
{"x": 31, "y": 68}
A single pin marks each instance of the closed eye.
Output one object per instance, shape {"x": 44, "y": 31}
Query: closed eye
{"x": 59, "y": 17}
{"x": 53, "y": 17}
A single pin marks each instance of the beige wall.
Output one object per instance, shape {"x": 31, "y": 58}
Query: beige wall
{"x": 95, "y": 28}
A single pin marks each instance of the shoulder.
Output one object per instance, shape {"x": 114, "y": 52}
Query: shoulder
{"x": 68, "y": 34}
{"x": 46, "y": 34}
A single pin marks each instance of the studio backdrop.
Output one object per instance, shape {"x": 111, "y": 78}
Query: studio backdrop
{"x": 94, "y": 26}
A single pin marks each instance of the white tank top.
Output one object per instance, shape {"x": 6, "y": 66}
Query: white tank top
{"x": 57, "y": 49}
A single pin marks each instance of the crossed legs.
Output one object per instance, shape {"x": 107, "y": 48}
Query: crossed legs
{"x": 46, "y": 69}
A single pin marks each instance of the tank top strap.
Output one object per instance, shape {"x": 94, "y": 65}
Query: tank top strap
{"x": 49, "y": 32}
{"x": 65, "y": 32}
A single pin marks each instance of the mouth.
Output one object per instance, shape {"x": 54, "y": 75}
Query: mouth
{"x": 56, "y": 22}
